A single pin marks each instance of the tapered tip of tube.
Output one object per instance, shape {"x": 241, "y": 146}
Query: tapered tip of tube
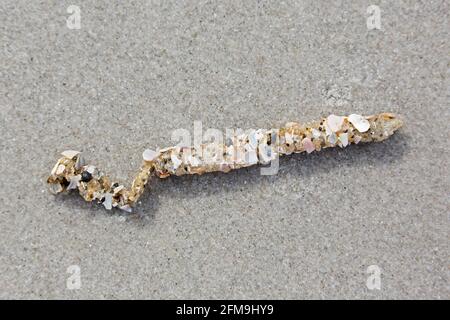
{"x": 391, "y": 121}
{"x": 383, "y": 125}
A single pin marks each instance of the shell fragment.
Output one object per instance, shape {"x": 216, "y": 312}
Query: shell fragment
{"x": 359, "y": 122}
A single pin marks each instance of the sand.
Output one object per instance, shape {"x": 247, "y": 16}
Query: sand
{"x": 136, "y": 71}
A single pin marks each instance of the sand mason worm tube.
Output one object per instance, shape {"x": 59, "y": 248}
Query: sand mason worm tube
{"x": 243, "y": 150}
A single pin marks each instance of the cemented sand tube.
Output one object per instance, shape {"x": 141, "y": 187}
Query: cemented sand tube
{"x": 243, "y": 150}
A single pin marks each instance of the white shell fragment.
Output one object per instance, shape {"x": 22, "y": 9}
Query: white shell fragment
{"x": 359, "y": 122}
{"x": 266, "y": 153}
{"x": 289, "y": 138}
{"x": 335, "y": 122}
{"x": 107, "y": 203}
{"x": 118, "y": 189}
{"x": 250, "y": 155}
{"x": 91, "y": 169}
{"x": 333, "y": 138}
{"x": 150, "y": 155}
{"x": 316, "y": 133}
{"x": 126, "y": 208}
{"x": 176, "y": 161}
{"x": 73, "y": 184}
{"x": 80, "y": 162}
{"x": 70, "y": 154}
{"x": 343, "y": 137}
{"x": 193, "y": 161}
{"x": 253, "y": 139}
{"x": 53, "y": 172}
{"x": 60, "y": 169}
